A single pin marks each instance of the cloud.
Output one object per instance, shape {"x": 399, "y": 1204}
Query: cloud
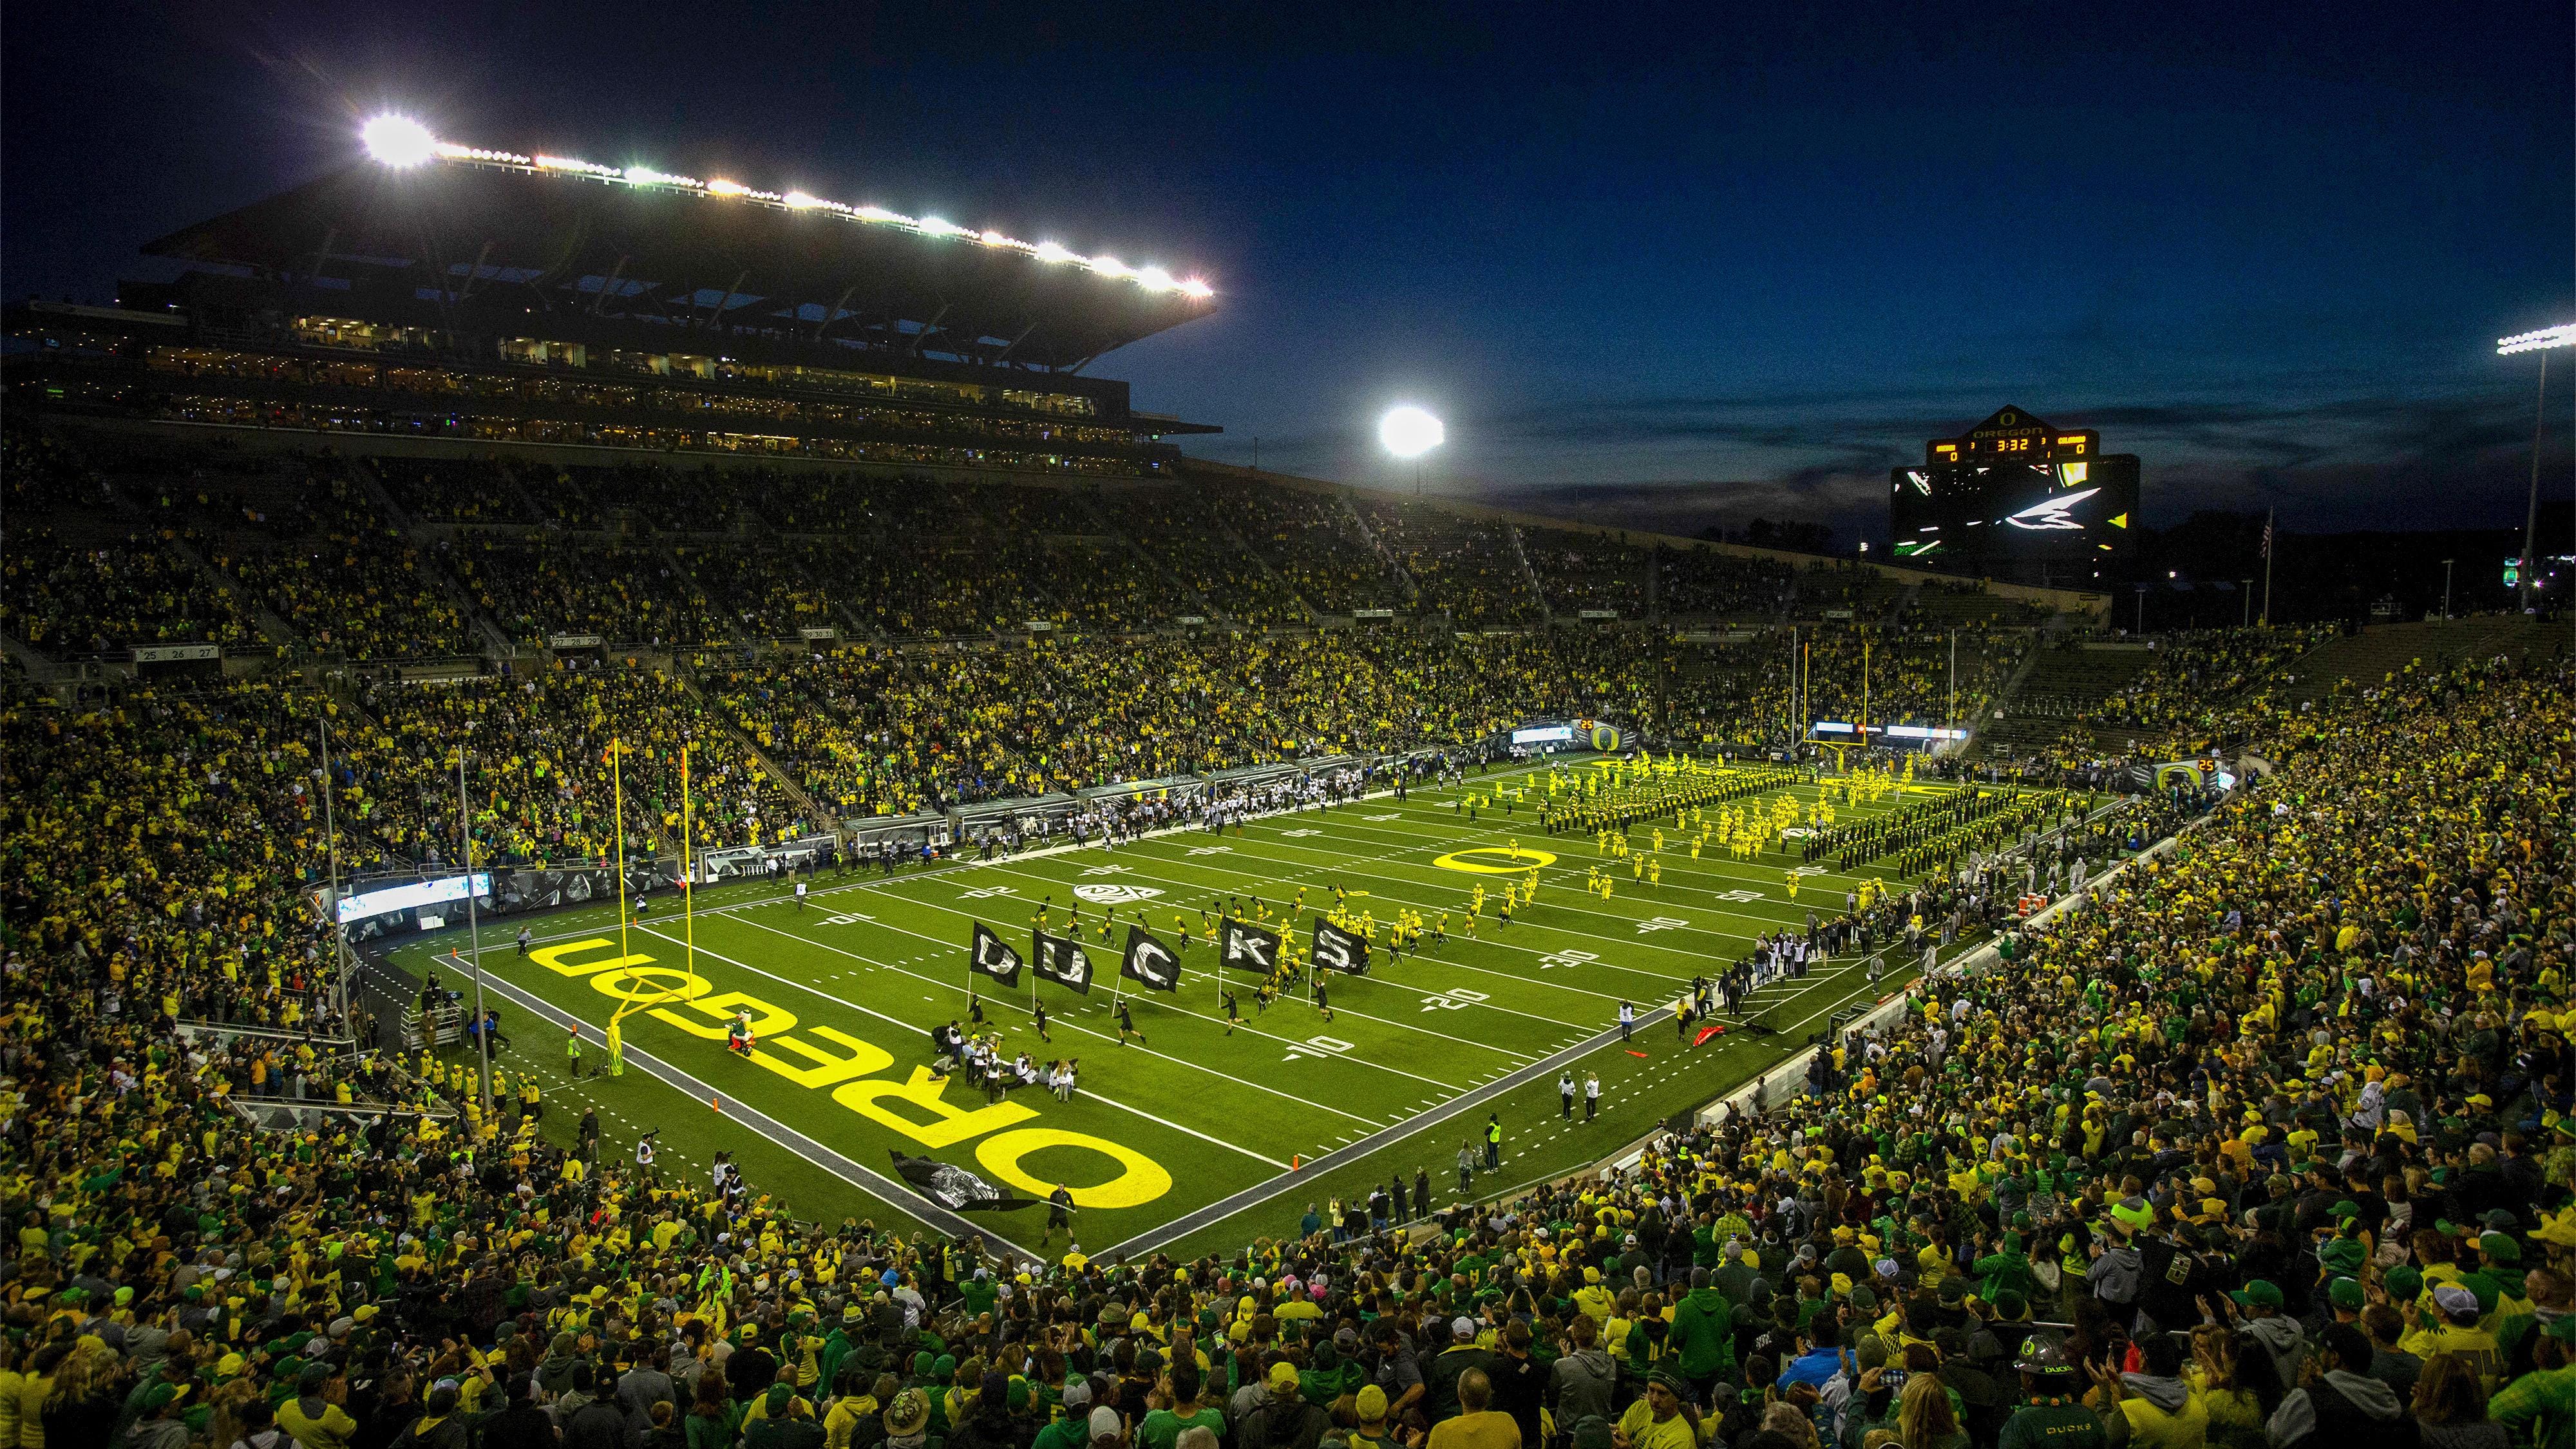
{"x": 2328, "y": 453}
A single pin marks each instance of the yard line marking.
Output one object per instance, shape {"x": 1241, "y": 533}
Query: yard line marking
{"x": 1085, "y": 1091}
{"x": 1177, "y": 1127}
{"x": 893, "y": 1193}
{"x": 1496, "y": 941}
{"x": 1014, "y": 1006}
{"x": 1254, "y": 1196}
{"x": 1625, "y": 943}
{"x": 1203, "y": 1016}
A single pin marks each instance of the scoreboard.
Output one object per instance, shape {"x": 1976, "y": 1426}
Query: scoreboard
{"x": 2013, "y": 436}
{"x": 2014, "y": 489}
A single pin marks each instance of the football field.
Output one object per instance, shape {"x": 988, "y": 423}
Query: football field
{"x": 1197, "y": 1136}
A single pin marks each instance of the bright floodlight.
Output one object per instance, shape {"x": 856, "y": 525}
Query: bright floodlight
{"x": 2563, "y": 335}
{"x": 398, "y": 141}
{"x": 1409, "y": 432}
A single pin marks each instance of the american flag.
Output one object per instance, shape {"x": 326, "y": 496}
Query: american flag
{"x": 2267, "y": 535}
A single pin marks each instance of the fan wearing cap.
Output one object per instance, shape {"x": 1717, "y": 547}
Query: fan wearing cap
{"x": 1440, "y": 1376}
{"x": 1072, "y": 1429}
{"x": 2278, "y": 1332}
{"x": 1661, "y": 1418}
{"x": 1368, "y": 1406}
{"x": 782, "y": 1420}
{"x": 2452, "y": 1327}
{"x": 1286, "y": 1420}
{"x": 158, "y": 1425}
{"x": 314, "y": 1415}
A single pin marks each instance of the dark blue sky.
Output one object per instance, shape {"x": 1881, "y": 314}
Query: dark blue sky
{"x": 1670, "y": 266}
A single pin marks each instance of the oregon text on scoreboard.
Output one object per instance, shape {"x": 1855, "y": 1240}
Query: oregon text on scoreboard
{"x": 2012, "y": 490}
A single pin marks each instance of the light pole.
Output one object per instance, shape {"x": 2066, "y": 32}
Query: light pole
{"x": 2542, "y": 342}
{"x": 339, "y": 937}
{"x": 2248, "y": 590}
{"x": 2446, "y": 589}
{"x": 1408, "y": 432}
{"x": 474, "y": 941}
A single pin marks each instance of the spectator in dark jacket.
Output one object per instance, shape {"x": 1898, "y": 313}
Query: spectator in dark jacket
{"x": 781, "y": 1421}
{"x": 522, "y": 1424}
{"x": 640, "y": 1388}
{"x": 439, "y": 1425}
{"x": 1287, "y": 1421}
{"x": 598, "y": 1424}
{"x": 752, "y": 1369}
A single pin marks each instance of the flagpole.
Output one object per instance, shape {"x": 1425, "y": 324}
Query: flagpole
{"x": 474, "y": 933}
{"x": 331, "y": 837}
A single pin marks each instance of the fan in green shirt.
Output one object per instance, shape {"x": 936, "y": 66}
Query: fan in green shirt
{"x": 1163, "y": 1427}
{"x": 1072, "y": 1430}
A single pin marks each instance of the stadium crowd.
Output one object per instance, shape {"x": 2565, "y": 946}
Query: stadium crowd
{"x": 375, "y": 559}
{"x": 88, "y": 598}
{"x": 2269, "y": 1143}
{"x": 542, "y": 778}
{"x": 2195, "y": 673}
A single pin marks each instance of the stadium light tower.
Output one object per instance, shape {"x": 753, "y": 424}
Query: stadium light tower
{"x": 398, "y": 141}
{"x": 2543, "y": 342}
{"x": 1408, "y": 432}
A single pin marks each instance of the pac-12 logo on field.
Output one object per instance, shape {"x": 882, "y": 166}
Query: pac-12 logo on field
{"x": 1106, "y": 893}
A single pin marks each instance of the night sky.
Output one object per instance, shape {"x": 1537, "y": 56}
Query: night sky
{"x": 1664, "y": 267}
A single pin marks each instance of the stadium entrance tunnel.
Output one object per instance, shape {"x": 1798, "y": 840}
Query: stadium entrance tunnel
{"x": 1496, "y": 859}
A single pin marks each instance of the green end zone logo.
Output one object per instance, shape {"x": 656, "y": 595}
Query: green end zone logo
{"x": 822, "y": 1058}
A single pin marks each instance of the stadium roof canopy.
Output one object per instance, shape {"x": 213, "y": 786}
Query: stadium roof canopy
{"x": 514, "y": 234}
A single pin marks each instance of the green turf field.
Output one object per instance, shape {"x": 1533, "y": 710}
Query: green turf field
{"x": 1190, "y": 1139}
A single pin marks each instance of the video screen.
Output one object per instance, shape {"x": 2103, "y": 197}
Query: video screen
{"x": 2080, "y": 508}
